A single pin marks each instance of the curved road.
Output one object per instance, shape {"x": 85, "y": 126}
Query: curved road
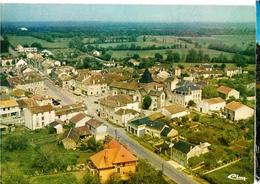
{"x": 155, "y": 160}
{"x": 158, "y": 162}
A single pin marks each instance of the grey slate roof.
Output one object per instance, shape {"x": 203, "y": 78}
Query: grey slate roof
{"x": 186, "y": 86}
{"x": 165, "y": 131}
{"x": 183, "y": 146}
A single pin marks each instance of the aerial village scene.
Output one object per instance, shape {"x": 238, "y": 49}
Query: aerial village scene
{"x": 99, "y": 102}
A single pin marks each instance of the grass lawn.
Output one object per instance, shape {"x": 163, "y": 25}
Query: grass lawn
{"x": 64, "y": 178}
{"x": 59, "y": 43}
{"x": 221, "y": 176}
{"x": 36, "y": 139}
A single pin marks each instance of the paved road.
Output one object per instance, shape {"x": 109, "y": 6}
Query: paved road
{"x": 139, "y": 150}
{"x": 56, "y": 92}
{"x": 154, "y": 159}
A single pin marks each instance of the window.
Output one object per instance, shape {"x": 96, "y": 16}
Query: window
{"x": 3, "y": 109}
{"x": 118, "y": 170}
{"x": 42, "y": 118}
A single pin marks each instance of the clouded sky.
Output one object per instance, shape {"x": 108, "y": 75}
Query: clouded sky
{"x": 136, "y": 13}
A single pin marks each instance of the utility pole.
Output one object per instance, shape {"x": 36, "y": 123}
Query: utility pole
{"x": 116, "y": 133}
{"x": 162, "y": 167}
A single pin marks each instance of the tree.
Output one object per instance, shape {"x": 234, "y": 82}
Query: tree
{"x": 3, "y": 79}
{"x": 136, "y": 56}
{"x": 192, "y": 56}
{"x": 223, "y": 66}
{"x": 239, "y": 60}
{"x": 147, "y": 101}
{"x": 146, "y": 174}
{"x": 209, "y": 91}
{"x": 90, "y": 179}
{"x": 15, "y": 142}
{"x": 146, "y": 77}
{"x": 49, "y": 158}
{"x": 169, "y": 58}
{"x": 191, "y": 103}
{"x": 93, "y": 145}
{"x": 176, "y": 57}
{"x": 206, "y": 58}
{"x": 37, "y": 45}
{"x": 144, "y": 38}
{"x": 106, "y": 56}
{"x": 12, "y": 175}
{"x": 135, "y": 74}
{"x": 158, "y": 57}
{"x": 114, "y": 179}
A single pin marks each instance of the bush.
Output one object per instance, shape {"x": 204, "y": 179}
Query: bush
{"x": 147, "y": 101}
{"x": 11, "y": 174}
{"x": 90, "y": 179}
{"x": 15, "y": 142}
{"x": 196, "y": 117}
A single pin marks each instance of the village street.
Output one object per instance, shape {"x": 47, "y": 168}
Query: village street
{"x": 67, "y": 97}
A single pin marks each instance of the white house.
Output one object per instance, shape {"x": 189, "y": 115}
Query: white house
{"x": 237, "y": 111}
{"x": 185, "y": 93}
{"x": 9, "y": 109}
{"x": 79, "y": 120}
{"x": 66, "y": 112}
{"x": 90, "y": 83}
{"x": 122, "y": 116}
{"x": 97, "y": 128}
{"x": 39, "y": 116}
{"x": 96, "y": 53}
{"x": 230, "y": 72}
{"x": 212, "y": 104}
{"x": 20, "y": 63}
{"x": 177, "y": 71}
{"x": 163, "y": 74}
{"x": 227, "y": 92}
{"x": 174, "y": 111}
{"x": 110, "y": 104}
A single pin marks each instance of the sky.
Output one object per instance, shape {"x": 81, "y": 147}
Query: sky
{"x": 126, "y": 13}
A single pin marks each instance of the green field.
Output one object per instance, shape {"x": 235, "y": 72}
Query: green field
{"x": 150, "y": 53}
{"x": 239, "y": 40}
{"x": 221, "y": 176}
{"x": 59, "y": 43}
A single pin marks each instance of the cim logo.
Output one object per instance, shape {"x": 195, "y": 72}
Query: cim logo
{"x": 236, "y": 177}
